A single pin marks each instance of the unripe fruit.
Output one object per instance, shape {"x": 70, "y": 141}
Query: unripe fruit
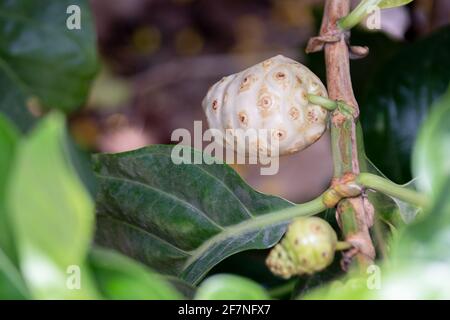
{"x": 271, "y": 95}
{"x": 307, "y": 247}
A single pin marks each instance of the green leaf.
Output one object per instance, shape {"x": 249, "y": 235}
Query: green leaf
{"x": 186, "y": 289}
{"x": 432, "y": 151}
{"x": 230, "y": 287}
{"x": 400, "y": 98}
{"x": 11, "y": 283}
{"x": 8, "y": 142}
{"x": 385, "y": 4}
{"x": 121, "y": 278}
{"x": 42, "y": 62}
{"x": 51, "y": 213}
{"x": 183, "y": 219}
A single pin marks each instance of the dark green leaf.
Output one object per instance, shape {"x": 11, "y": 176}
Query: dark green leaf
{"x": 121, "y": 278}
{"x": 42, "y": 62}
{"x": 54, "y": 224}
{"x": 400, "y": 97}
{"x": 230, "y": 287}
{"x": 180, "y": 219}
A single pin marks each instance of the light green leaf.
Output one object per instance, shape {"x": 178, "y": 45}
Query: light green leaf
{"x": 8, "y": 141}
{"x": 42, "y": 62}
{"x": 230, "y": 287}
{"x": 385, "y": 4}
{"x": 183, "y": 219}
{"x": 11, "y": 282}
{"x": 51, "y": 212}
{"x": 432, "y": 151}
{"x": 120, "y": 277}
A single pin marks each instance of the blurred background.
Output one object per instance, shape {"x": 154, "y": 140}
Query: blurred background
{"x": 159, "y": 58}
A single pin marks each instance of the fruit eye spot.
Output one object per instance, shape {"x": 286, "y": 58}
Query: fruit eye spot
{"x": 279, "y": 134}
{"x": 247, "y": 82}
{"x": 265, "y": 102}
{"x": 243, "y": 118}
{"x": 312, "y": 116}
{"x": 294, "y": 113}
{"x": 314, "y": 86}
{"x": 280, "y": 76}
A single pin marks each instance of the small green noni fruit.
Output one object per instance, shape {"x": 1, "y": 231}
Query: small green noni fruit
{"x": 307, "y": 247}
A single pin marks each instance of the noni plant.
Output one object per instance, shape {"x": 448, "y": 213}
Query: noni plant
{"x": 172, "y": 221}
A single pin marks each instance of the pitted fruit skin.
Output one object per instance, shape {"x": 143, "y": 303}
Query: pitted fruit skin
{"x": 307, "y": 247}
{"x": 271, "y": 95}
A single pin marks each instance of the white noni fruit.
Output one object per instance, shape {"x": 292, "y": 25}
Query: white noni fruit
{"x": 271, "y": 95}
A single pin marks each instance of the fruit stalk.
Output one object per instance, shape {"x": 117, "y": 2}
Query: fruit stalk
{"x": 353, "y": 214}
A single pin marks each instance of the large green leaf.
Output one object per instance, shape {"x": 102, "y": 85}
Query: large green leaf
{"x": 11, "y": 282}
{"x": 400, "y": 97}
{"x": 42, "y": 62}
{"x": 51, "y": 213}
{"x": 8, "y": 142}
{"x": 230, "y": 287}
{"x": 182, "y": 219}
{"x": 122, "y": 278}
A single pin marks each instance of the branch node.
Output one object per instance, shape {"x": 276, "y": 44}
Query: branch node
{"x": 316, "y": 44}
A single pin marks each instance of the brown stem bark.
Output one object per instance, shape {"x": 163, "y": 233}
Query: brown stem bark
{"x": 355, "y": 215}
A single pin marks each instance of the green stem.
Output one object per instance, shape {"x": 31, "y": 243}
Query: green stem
{"x": 385, "y": 186}
{"x": 326, "y": 103}
{"x": 343, "y": 245}
{"x": 358, "y": 14}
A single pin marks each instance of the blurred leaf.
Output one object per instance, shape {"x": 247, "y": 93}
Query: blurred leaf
{"x": 122, "y": 278}
{"x": 51, "y": 212}
{"x": 109, "y": 91}
{"x": 11, "y": 283}
{"x": 386, "y": 4}
{"x": 230, "y": 287}
{"x": 179, "y": 219}
{"x": 42, "y": 62}
{"x": 186, "y": 289}
{"x": 308, "y": 283}
{"x": 431, "y": 159}
{"x": 399, "y": 99}
{"x": 9, "y": 138}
